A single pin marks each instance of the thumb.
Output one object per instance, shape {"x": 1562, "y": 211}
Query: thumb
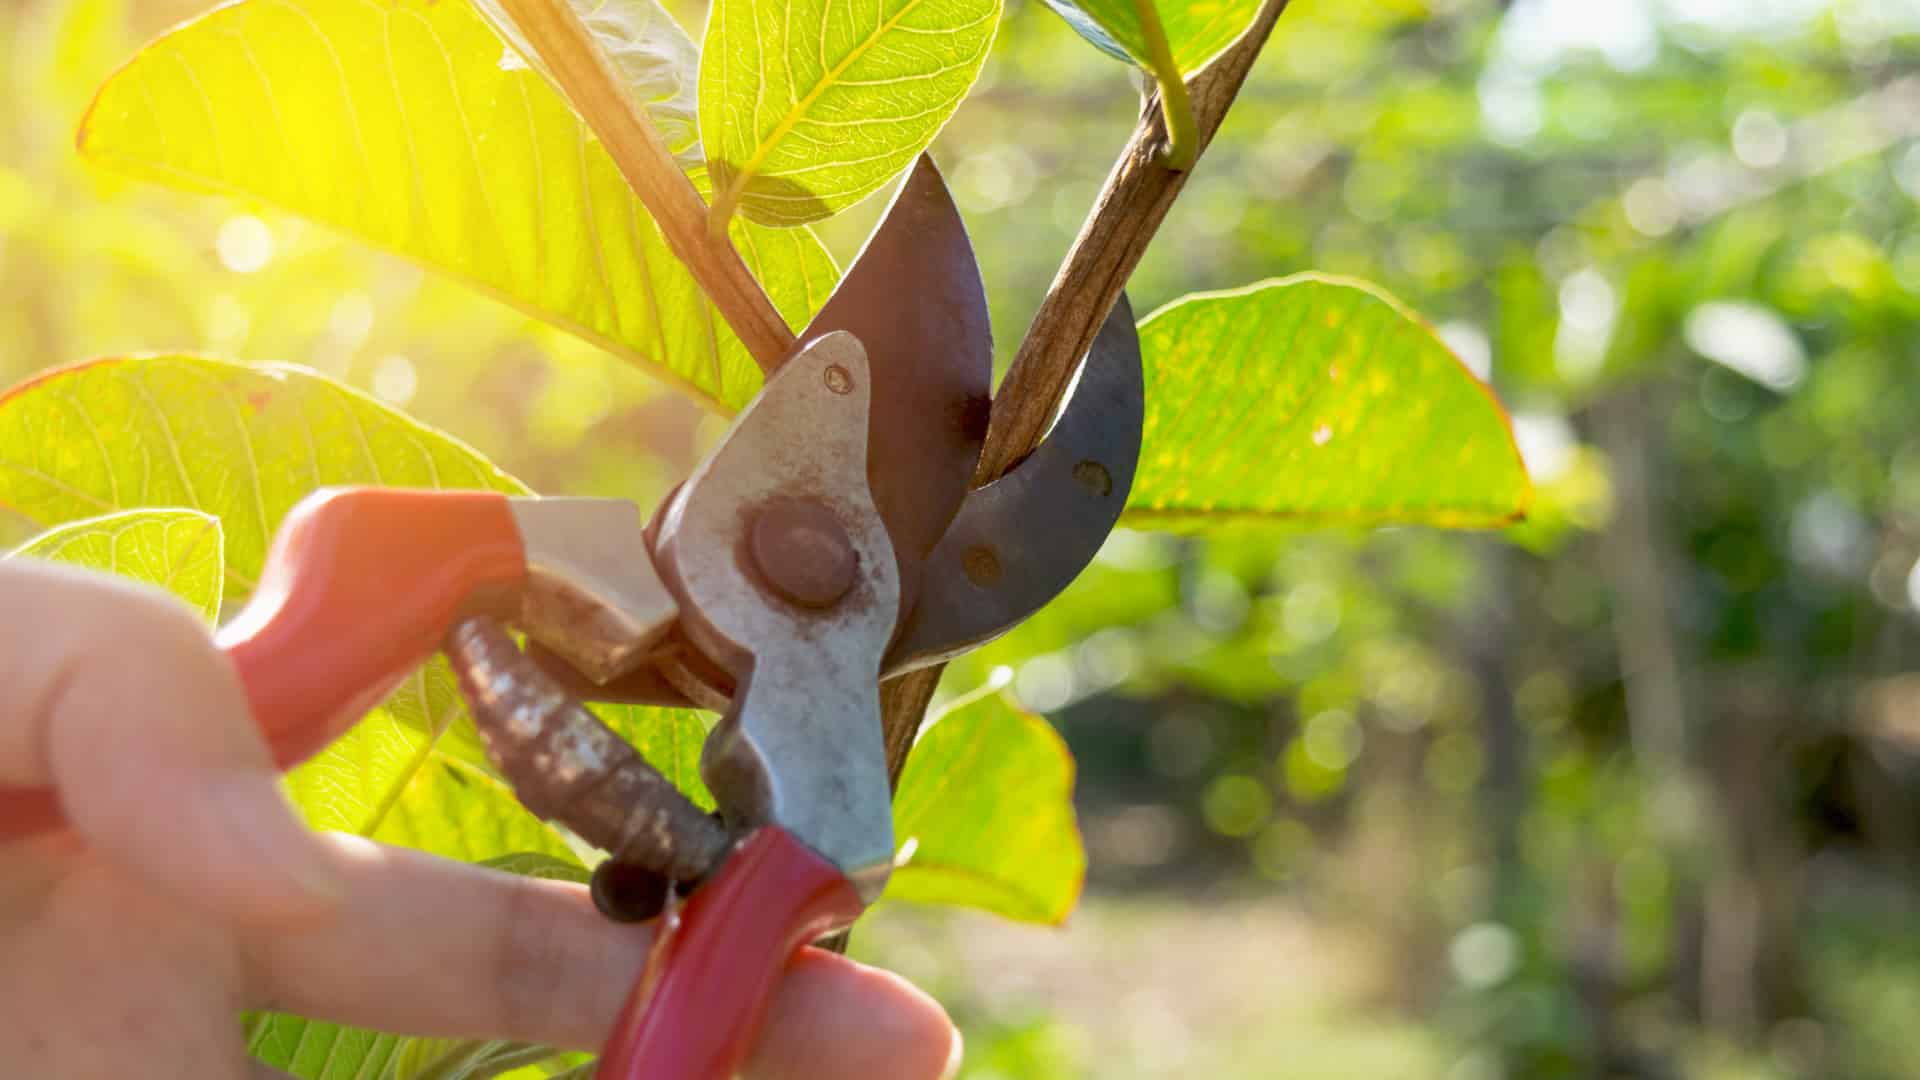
{"x": 114, "y": 694}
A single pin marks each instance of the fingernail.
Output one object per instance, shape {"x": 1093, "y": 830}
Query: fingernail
{"x": 265, "y": 826}
{"x": 954, "y": 1057}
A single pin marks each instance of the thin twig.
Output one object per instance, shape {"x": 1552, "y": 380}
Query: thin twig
{"x": 1129, "y": 210}
{"x": 588, "y": 80}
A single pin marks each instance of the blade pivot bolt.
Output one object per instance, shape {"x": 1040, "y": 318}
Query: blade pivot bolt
{"x": 803, "y": 553}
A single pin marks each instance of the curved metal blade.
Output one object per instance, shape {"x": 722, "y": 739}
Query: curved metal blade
{"x": 1021, "y": 539}
{"x": 914, "y": 299}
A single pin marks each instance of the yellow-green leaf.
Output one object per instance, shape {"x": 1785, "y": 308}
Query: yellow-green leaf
{"x": 1318, "y": 399}
{"x": 670, "y": 740}
{"x": 807, "y": 107}
{"x": 1196, "y": 32}
{"x": 452, "y": 808}
{"x": 243, "y": 444}
{"x": 468, "y": 1059}
{"x": 393, "y": 783}
{"x": 240, "y": 443}
{"x": 535, "y": 865}
{"x": 350, "y": 785}
{"x": 397, "y": 123}
{"x": 310, "y": 1048}
{"x": 317, "y": 1050}
{"x": 181, "y": 551}
{"x": 984, "y": 816}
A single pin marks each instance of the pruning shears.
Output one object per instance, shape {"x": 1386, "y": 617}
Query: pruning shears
{"x": 830, "y": 541}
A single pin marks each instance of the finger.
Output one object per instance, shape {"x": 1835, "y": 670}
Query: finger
{"x": 438, "y": 948}
{"x": 113, "y": 694}
{"x": 833, "y": 1017}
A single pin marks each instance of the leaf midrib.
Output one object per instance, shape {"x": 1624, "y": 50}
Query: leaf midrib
{"x": 745, "y": 173}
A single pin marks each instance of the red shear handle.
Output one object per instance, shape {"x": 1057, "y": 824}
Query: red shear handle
{"x": 360, "y": 586}
{"x": 359, "y": 589}
{"x": 700, "y": 1017}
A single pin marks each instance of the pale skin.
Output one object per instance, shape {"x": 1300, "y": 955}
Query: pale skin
{"x": 187, "y": 890}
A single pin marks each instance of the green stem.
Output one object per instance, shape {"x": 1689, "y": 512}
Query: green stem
{"x": 1183, "y": 134}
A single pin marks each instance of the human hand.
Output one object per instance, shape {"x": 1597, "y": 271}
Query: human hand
{"x": 186, "y": 890}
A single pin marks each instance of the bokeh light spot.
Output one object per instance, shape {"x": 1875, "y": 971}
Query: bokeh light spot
{"x": 1332, "y": 739}
{"x": 244, "y": 244}
{"x": 395, "y": 381}
{"x": 1484, "y": 955}
{"x": 1236, "y": 805}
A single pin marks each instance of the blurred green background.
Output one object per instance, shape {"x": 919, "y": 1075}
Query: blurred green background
{"x": 1631, "y": 790}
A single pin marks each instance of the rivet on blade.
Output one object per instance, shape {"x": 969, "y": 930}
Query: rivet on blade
{"x": 1094, "y": 477}
{"x": 982, "y": 565}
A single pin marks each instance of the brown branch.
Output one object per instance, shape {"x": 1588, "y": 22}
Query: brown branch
{"x": 1135, "y": 200}
{"x": 1130, "y": 208}
{"x": 589, "y": 82}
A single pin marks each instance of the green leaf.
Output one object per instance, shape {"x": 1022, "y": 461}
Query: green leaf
{"x": 321, "y": 1051}
{"x": 574, "y": 1066}
{"x": 240, "y": 443}
{"x": 316, "y": 1050}
{"x": 178, "y": 550}
{"x": 670, "y": 740}
{"x": 1086, "y": 26}
{"x": 535, "y": 865}
{"x": 388, "y": 781}
{"x": 352, "y": 784}
{"x": 396, "y": 123}
{"x": 807, "y": 106}
{"x": 1319, "y": 399}
{"x": 456, "y": 810}
{"x": 467, "y": 1059}
{"x": 984, "y": 816}
{"x": 655, "y": 58}
{"x": 1196, "y": 32}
